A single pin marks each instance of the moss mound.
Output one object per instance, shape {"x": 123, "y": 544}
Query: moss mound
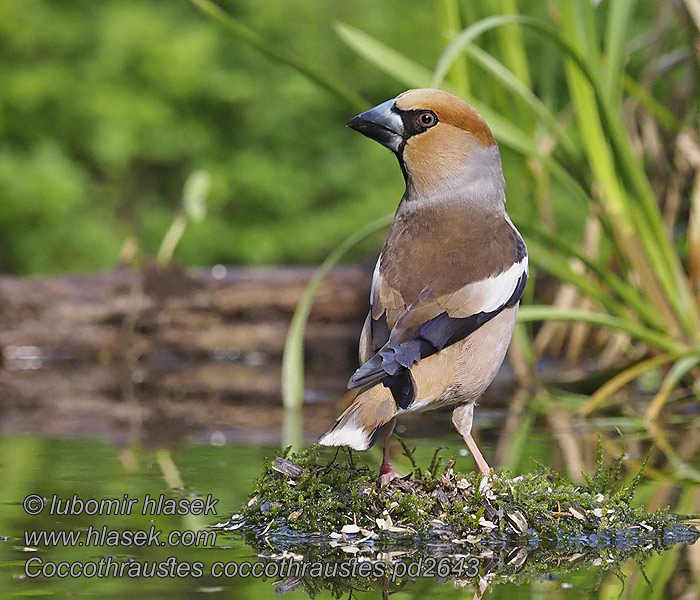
{"x": 298, "y": 494}
{"x": 504, "y": 527}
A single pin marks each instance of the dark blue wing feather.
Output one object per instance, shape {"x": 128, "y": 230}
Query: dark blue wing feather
{"x": 391, "y": 364}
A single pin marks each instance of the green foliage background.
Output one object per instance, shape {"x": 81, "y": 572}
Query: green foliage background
{"x": 106, "y": 107}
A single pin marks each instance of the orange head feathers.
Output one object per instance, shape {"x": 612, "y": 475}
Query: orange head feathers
{"x": 442, "y": 143}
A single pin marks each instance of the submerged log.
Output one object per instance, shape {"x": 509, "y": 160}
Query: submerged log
{"x": 188, "y": 333}
{"x": 164, "y": 352}
{"x": 194, "y": 312}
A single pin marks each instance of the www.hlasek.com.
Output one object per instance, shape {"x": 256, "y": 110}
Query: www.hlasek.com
{"x": 108, "y": 566}
{"x": 103, "y": 536}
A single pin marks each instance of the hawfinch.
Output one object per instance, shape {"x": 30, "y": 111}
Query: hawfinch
{"x": 448, "y": 281}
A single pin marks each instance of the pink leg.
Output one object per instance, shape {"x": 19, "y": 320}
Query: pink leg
{"x": 476, "y": 453}
{"x": 462, "y": 419}
{"x": 386, "y": 471}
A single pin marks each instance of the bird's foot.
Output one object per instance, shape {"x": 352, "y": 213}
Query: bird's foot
{"x": 486, "y": 471}
{"x": 386, "y": 474}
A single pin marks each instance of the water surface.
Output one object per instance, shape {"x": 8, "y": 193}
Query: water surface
{"x": 214, "y": 464}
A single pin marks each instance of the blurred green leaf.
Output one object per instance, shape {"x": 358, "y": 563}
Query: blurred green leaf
{"x": 390, "y": 61}
{"x": 194, "y": 195}
{"x": 304, "y": 66}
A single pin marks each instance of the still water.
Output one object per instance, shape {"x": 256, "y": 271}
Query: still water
{"x": 208, "y": 478}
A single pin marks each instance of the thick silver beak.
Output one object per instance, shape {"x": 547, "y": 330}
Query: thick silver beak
{"x": 382, "y": 124}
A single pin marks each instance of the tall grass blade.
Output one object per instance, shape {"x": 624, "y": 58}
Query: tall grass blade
{"x": 293, "y": 357}
{"x": 513, "y": 45}
{"x": 293, "y": 428}
{"x": 623, "y": 378}
{"x": 389, "y": 60}
{"x": 451, "y": 24}
{"x": 614, "y": 164}
{"x": 281, "y": 55}
{"x": 675, "y": 374}
{"x": 560, "y": 268}
{"x": 550, "y": 313}
{"x": 662, "y": 114}
{"x": 525, "y": 95}
{"x": 466, "y": 37}
{"x": 514, "y": 57}
{"x": 619, "y": 16}
{"x": 627, "y": 292}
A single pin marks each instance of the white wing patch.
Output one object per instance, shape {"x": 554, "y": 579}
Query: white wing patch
{"x": 494, "y": 292}
{"x": 374, "y": 280}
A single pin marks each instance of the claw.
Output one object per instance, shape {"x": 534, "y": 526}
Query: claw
{"x": 386, "y": 474}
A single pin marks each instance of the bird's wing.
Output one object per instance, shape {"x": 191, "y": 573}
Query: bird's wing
{"x": 428, "y": 325}
{"x": 386, "y": 304}
{"x": 397, "y": 335}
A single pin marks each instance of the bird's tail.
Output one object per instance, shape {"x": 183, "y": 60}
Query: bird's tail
{"x": 359, "y": 426}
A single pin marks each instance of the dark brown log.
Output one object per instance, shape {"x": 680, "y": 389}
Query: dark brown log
{"x": 155, "y": 354}
{"x": 167, "y": 332}
{"x": 116, "y": 314}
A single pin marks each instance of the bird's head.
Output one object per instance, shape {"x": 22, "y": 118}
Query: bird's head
{"x": 443, "y": 145}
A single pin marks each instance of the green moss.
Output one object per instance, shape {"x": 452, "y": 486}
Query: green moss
{"x": 512, "y": 526}
{"x": 322, "y": 498}
{"x": 299, "y": 494}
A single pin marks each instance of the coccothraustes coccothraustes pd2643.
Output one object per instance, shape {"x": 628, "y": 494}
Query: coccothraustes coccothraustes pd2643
{"x": 448, "y": 281}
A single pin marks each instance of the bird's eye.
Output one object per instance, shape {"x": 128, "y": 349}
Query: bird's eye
{"x": 426, "y": 118}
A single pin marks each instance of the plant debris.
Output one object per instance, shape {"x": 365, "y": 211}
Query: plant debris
{"x": 513, "y": 526}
